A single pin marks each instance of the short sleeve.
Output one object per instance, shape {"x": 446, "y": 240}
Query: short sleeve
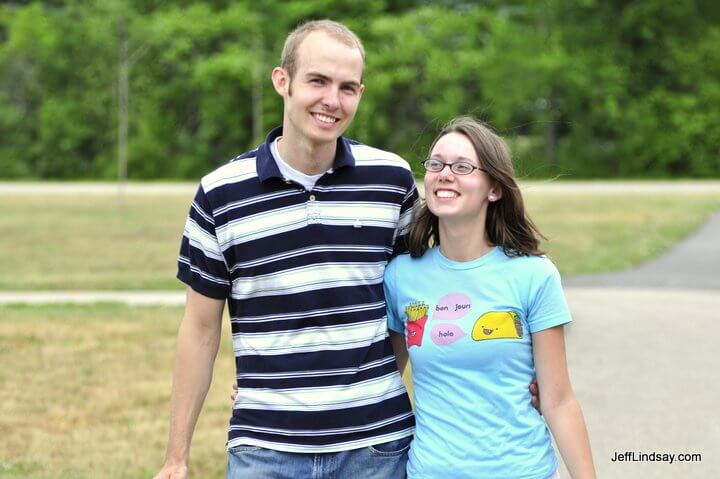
{"x": 394, "y": 322}
{"x": 201, "y": 264}
{"x": 409, "y": 203}
{"x": 548, "y": 307}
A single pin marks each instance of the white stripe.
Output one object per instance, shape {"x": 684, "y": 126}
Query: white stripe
{"x": 233, "y": 172}
{"x": 255, "y": 199}
{"x": 318, "y": 372}
{"x": 404, "y": 220}
{"x": 368, "y": 156}
{"x": 368, "y": 214}
{"x": 316, "y": 338}
{"x": 327, "y": 432}
{"x": 261, "y": 225}
{"x": 202, "y": 240}
{"x": 281, "y": 220}
{"x": 372, "y": 391}
{"x": 361, "y": 188}
{"x": 335, "y": 447}
{"x": 325, "y": 248}
{"x": 309, "y": 278}
{"x": 309, "y": 314}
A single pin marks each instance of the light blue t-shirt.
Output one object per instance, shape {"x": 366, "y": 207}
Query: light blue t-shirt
{"x": 468, "y": 328}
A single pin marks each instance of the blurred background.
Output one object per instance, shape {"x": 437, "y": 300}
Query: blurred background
{"x": 168, "y": 89}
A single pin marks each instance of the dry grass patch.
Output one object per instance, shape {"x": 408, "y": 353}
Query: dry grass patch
{"x": 86, "y": 393}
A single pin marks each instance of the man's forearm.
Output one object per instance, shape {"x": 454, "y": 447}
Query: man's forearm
{"x": 197, "y": 348}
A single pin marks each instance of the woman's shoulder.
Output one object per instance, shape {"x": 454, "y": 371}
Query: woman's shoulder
{"x": 535, "y": 264}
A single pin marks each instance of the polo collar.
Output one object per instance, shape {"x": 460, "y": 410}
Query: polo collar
{"x": 267, "y": 166}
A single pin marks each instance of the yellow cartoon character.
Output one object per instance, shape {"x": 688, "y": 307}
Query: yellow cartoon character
{"x": 497, "y": 325}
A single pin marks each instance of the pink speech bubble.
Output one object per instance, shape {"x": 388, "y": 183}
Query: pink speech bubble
{"x": 452, "y": 306}
{"x": 444, "y": 334}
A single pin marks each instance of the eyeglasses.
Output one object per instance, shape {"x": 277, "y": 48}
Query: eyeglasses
{"x": 459, "y": 168}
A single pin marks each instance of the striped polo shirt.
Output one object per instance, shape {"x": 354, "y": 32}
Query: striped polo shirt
{"x": 302, "y": 274}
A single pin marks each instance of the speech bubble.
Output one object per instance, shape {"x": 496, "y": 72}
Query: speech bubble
{"x": 444, "y": 334}
{"x": 452, "y": 306}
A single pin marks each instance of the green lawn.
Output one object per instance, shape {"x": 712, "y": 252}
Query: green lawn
{"x": 98, "y": 243}
{"x": 85, "y": 393}
{"x": 589, "y": 234}
{"x": 90, "y": 242}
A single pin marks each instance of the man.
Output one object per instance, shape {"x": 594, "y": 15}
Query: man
{"x": 295, "y": 236}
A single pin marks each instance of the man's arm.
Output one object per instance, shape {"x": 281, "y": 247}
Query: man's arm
{"x": 197, "y": 347}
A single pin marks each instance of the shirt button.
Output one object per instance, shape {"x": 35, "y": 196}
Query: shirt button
{"x": 311, "y": 198}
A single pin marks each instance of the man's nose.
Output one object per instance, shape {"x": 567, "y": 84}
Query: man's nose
{"x": 331, "y": 99}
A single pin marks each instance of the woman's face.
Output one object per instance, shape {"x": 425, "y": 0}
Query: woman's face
{"x": 451, "y": 196}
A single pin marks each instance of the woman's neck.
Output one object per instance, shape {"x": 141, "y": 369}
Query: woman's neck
{"x": 463, "y": 242}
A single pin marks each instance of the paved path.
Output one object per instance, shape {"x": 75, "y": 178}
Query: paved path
{"x": 694, "y": 263}
{"x": 643, "y": 357}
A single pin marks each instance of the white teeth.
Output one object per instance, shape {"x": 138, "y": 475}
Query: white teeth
{"x": 445, "y": 194}
{"x": 324, "y": 118}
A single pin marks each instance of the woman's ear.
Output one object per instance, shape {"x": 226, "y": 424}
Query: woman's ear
{"x": 495, "y": 193}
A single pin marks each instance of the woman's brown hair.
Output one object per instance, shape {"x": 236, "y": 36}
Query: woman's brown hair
{"x": 507, "y": 224}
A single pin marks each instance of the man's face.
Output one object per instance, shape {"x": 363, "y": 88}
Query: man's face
{"x": 323, "y": 95}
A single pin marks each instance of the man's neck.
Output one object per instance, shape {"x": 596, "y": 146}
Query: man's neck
{"x": 306, "y": 157}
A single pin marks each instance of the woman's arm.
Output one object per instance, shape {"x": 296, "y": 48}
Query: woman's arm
{"x": 558, "y": 403}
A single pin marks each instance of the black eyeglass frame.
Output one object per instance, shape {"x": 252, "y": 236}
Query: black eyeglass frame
{"x": 451, "y": 165}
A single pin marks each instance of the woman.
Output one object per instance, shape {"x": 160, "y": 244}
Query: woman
{"x": 480, "y": 311}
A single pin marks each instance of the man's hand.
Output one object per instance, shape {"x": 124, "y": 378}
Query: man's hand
{"x": 234, "y": 392}
{"x": 173, "y": 472}
{"x": 535, "y": 395}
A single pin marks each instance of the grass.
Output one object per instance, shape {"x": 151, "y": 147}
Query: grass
{"x": 100, "y": 243}
{"x": 597, "y": 233}
{"x": 90, "y": 242}
{"x": 86, "y": 393}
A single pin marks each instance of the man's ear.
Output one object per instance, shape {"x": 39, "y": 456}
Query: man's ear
{"x": 281, "y": 81}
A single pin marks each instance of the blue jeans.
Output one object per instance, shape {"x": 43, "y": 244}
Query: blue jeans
{"x": 381, "y": 461}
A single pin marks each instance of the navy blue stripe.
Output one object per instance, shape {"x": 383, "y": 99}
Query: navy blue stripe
{"x": 331, "y": 419}
{"x": 306, "y": 381}
{"x": 348, "y": 358}
{"x": 308, "y": 322}
{"x": 309, "y": 301}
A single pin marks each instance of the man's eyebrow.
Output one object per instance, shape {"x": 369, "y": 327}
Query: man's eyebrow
{"x": 312, "y": 74}
{"x": 316, "y": 75}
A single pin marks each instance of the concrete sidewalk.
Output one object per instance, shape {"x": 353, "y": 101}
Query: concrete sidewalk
{"x": 642, "y": 363}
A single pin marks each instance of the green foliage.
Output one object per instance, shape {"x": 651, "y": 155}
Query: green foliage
{"x": 580, "y": 89}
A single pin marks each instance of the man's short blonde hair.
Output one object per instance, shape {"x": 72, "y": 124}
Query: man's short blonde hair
{"x": 288, "y": 58}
